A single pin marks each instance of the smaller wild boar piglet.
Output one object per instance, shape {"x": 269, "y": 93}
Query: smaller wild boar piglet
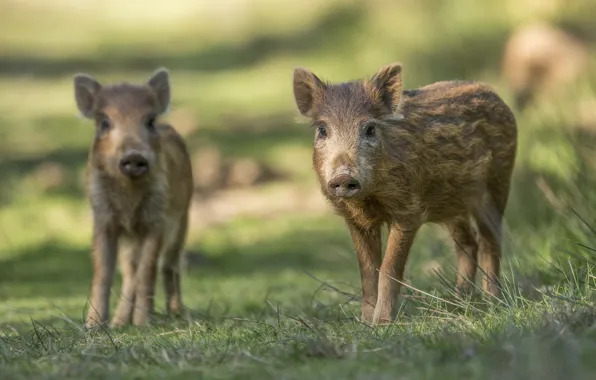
{"x": 139, "y": 183}
{"x": 443, "y": 153}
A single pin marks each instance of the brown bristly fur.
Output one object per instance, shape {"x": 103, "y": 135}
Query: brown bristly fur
{"x": 443, "y": 153}
{"x": 136, "y": 221}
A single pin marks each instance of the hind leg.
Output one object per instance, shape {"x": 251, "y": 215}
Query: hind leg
{"x": 171, "y": 269}
{"x": 127, "y": 259}
{"x": 466, "y": 248}
{"x": 489, "y": 218}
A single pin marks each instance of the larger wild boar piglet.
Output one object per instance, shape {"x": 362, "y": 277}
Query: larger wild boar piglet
{"x": 443, "y": 153}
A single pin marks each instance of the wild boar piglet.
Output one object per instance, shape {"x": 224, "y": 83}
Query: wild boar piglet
{"x": 443, "y": 153}
{"x": 139, "y": 184}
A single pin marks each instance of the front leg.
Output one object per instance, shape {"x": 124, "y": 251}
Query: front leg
{"x": 127, "y": 259}
{"x": 368, "y": 248}
{"x": 145, "y": 278}
{"x": 398, "y": 247}
{"x": 105, "y": 251}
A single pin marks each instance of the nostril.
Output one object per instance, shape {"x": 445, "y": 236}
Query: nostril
{"x": 354, "y": 185}
{"x": 125, "y": 164}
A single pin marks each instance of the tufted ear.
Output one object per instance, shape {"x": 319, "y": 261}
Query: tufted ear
{"x": 160, "y": 83}
{"x": 86, "y": 89}
{"x": 388, "y": 81}
{"x": 308, "y": 90}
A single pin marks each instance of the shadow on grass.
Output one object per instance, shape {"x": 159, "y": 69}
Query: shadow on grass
{"x": 55, "y": 269}
{"x": 52, "y": 269}
{"x": 329, "y": 31}
{"x": 302, "y": 249}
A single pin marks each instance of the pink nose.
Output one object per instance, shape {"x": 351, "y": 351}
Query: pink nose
{"x": 343, "y": 186}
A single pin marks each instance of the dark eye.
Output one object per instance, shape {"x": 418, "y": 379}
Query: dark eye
{"x": 104, "y": 124}
{"x": 322, "y": 131}
{"x": 150, "y": 123}
{"x": 370, "y": 130}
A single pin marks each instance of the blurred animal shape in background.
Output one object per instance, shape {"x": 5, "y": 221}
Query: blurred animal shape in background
{"x": 540, "y": 59}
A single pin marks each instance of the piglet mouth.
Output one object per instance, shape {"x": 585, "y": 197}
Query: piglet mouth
{"x": 343, "y": 186}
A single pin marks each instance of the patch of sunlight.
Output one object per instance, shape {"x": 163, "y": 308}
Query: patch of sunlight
{"x": 39, "y": 308}
{"x": 123, "y": 23}
{"x": 44, "y": 97}
{"x": 266, "y": 88}
{"x": 28, "y": 223}
{"x": 285, "y": 284}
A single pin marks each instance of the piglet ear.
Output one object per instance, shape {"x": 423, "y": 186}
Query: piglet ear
{"x": 388, "y": 82}
{"x": 86, "y": 89}
{"x": 160, "y": 83}
{"x": 308, "y": 90}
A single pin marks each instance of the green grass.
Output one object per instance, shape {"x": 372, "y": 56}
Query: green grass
{"x": 298, "y": 336}
{"x": 276, "y": 294}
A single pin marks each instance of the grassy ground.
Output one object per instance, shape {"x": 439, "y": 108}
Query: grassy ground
{"x": 275, "y": 294}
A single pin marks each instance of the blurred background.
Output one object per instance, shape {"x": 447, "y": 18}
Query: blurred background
{"x": 260, "y": 228}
